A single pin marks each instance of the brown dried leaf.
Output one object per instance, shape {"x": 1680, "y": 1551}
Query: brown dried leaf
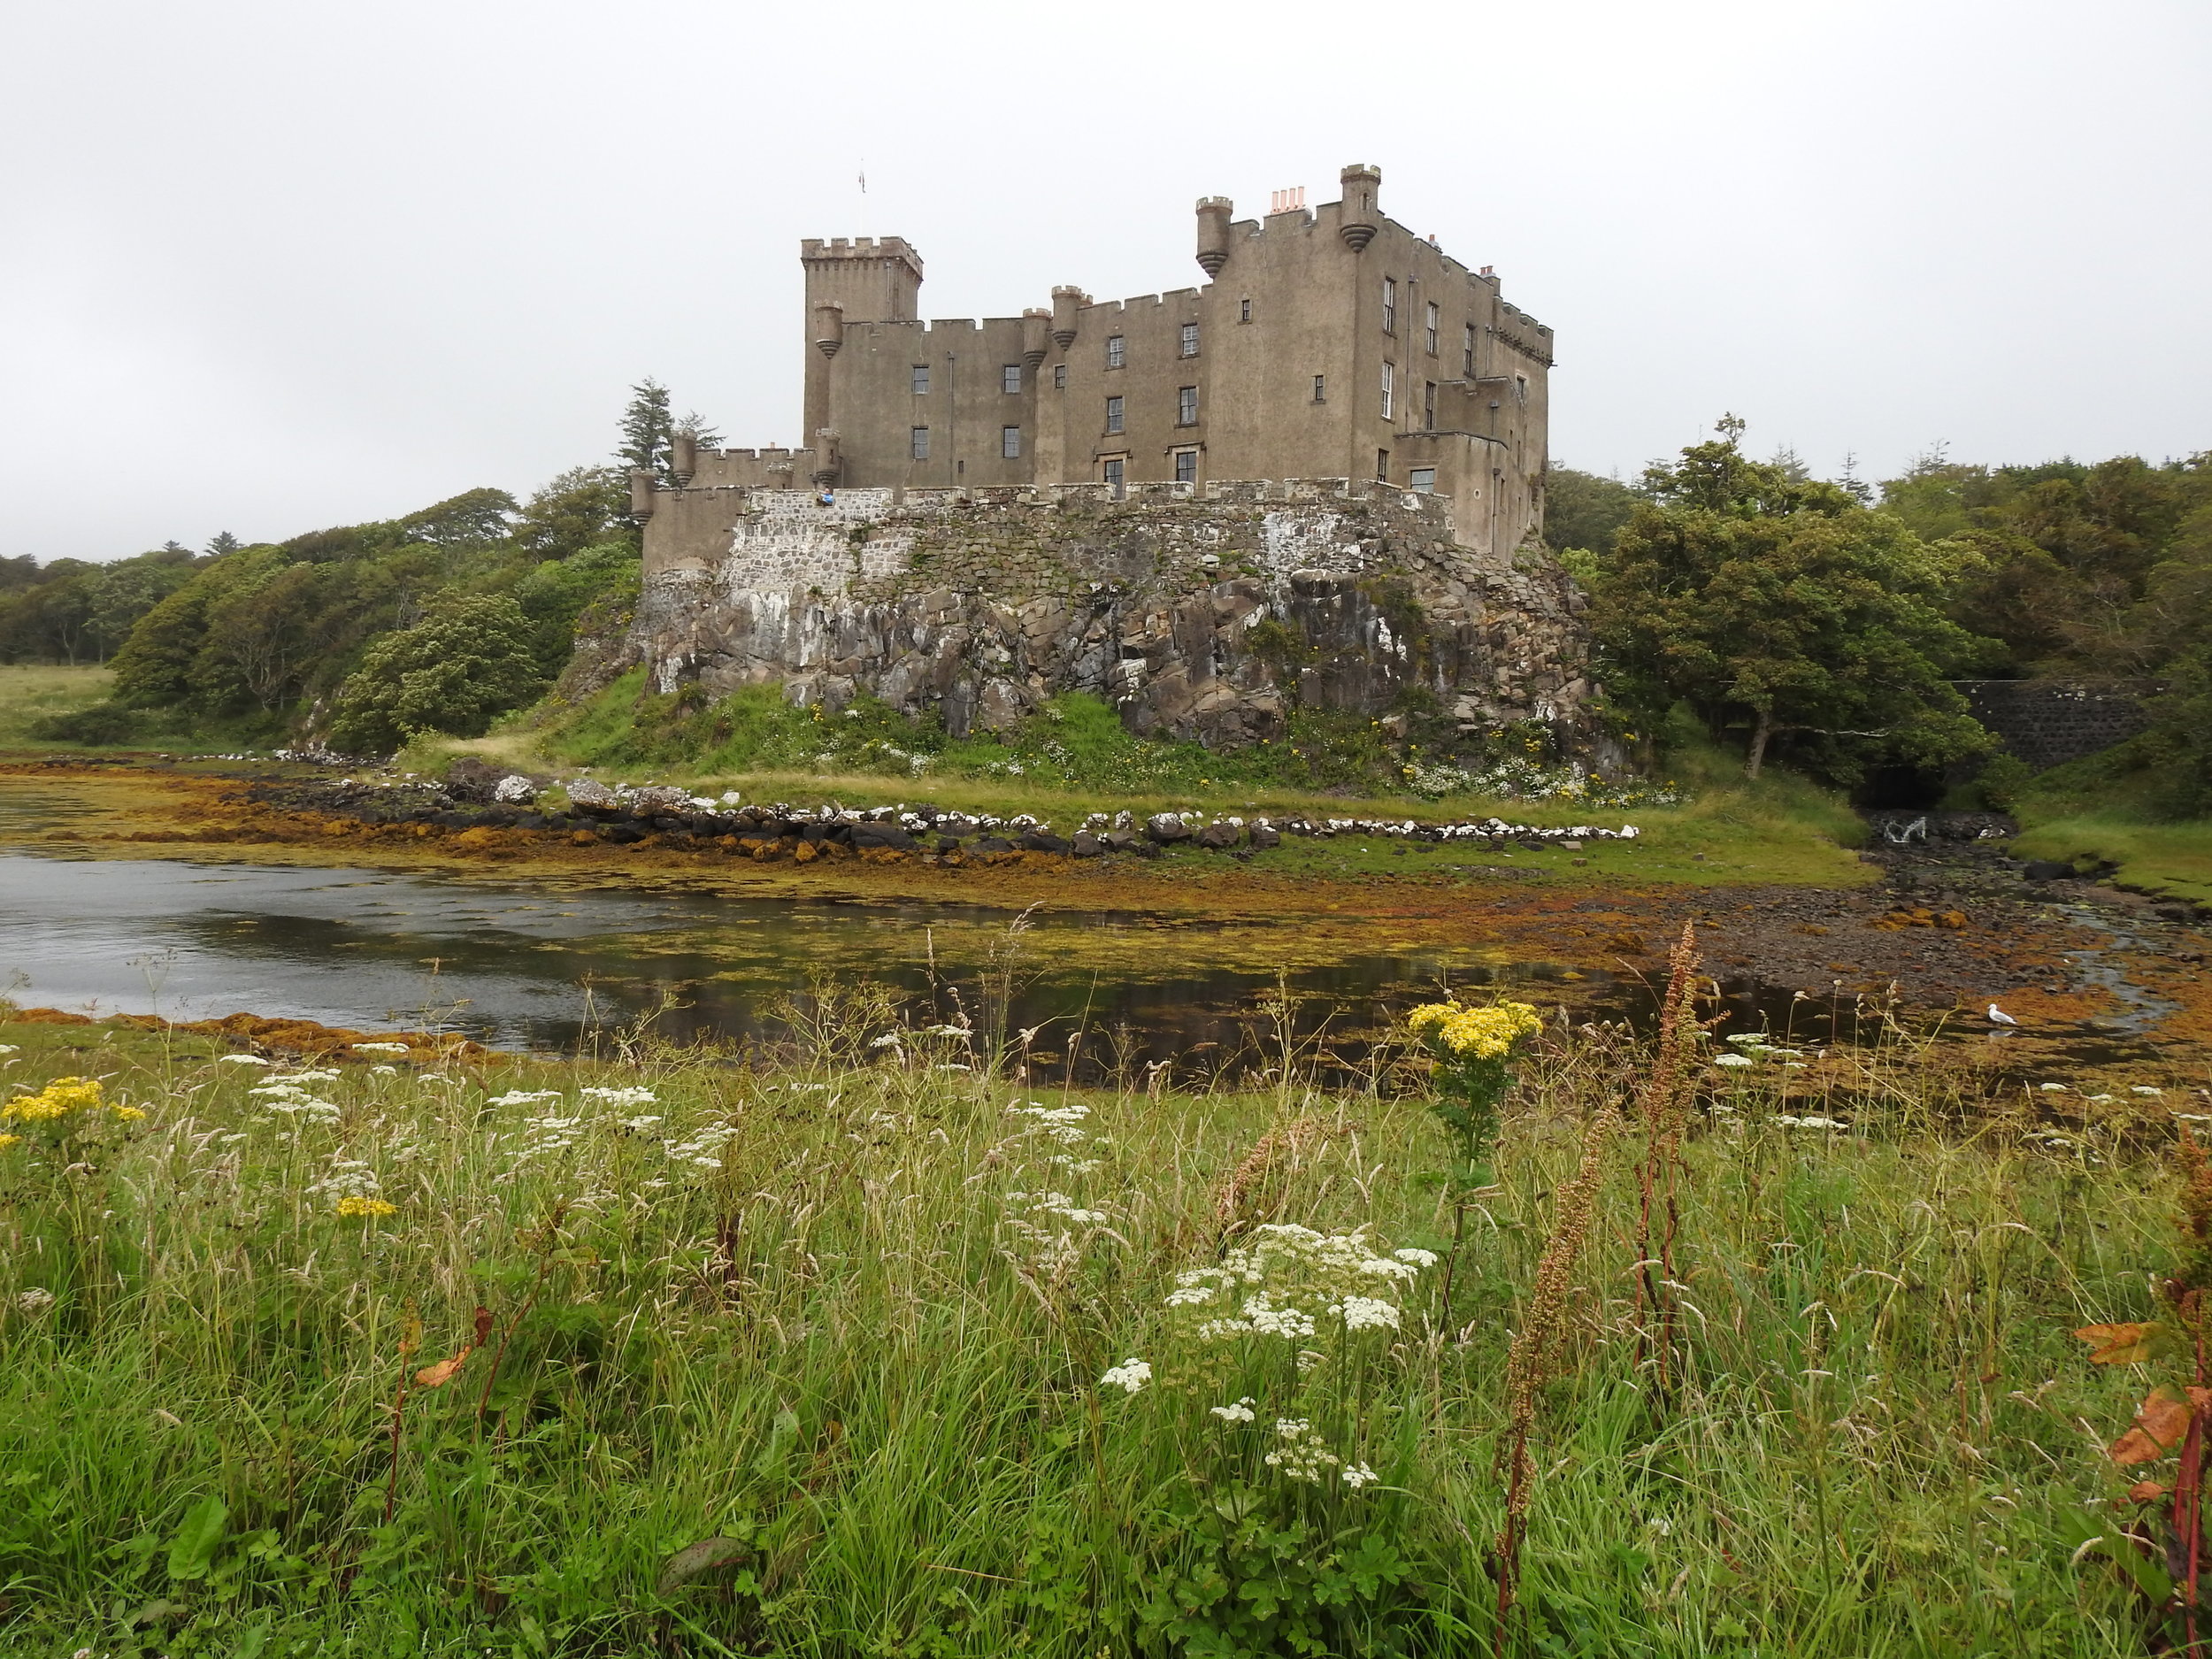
{"x": 2134, "y": 1447}
{"x": 444, "y": 1372}
{"x": 2160, "y": 1422}
{"x": 2121, "y": 1344}
{"x": 483, "y": 1324}
{"x": 2145, "y": 1492}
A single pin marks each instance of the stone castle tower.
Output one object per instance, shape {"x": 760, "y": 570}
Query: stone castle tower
{"x": 1329, "y": 342}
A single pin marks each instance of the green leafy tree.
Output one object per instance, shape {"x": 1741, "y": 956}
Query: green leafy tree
{"x": 584, "y": 507}
{"x": 466, "y": 662}
{"x": 557, "y": 593}
{"x": 1585, "y": 510}
{"x": 1782, "y": 607}
{"x": 474, "y": 517}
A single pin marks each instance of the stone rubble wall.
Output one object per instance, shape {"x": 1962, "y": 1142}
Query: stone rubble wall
{"x": 983, "y": 608}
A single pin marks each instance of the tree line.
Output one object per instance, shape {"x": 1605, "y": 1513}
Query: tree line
{"x": 360, "y": 634}
{"x": 1823, "y": 621}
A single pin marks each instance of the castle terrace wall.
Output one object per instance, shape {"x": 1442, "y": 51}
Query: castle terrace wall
{"x": 982, "y": 609}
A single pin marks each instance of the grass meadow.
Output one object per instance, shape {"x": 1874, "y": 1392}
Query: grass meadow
{"x": 861, "y": 1345}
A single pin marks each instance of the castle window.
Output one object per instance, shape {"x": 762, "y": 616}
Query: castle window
{"x": 1113, "y": 414}
{"x": 1382, "y": 465}
{"x": 1187, "y": 405}
{"x": 1422, "y": 479}
{"x": 1187, "y": 466}
{"x": 1471, "y": 351}
{"x": 1320, "y": 389}
{"x": 1009, "y": 378}
{"x": 1110, "y": 469}
{"x": 1059, "y": 377}
{"x": 1428, "y": 406}
{"x": 1113, "y": 351}
{"x": 1244, "y": 312}
{"x": 1430, "y": 332}
{"x": 921, "y": 378}
{"x": 1010, "y": 443}
{"x": 1520, "y": 388}
{"x": 1190, "y": 340}
{"x": 1390, "y": 305}
{"x": 1390, "y": 391}
{"x": 918, "y": 443}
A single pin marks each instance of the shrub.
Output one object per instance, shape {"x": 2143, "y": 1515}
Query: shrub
{"x": 103, "y": 723}
{"x": 469, "y": 660}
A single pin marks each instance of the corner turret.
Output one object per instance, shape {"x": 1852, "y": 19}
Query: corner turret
{"x": 1360, "y": 214}
{"x": 1214, "y": 215}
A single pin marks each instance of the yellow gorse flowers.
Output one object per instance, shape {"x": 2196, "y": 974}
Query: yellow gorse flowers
{"x": 357, "y": 1204}
{"x": 60, "y": 1098}
{"x": 1475, "y": 1034}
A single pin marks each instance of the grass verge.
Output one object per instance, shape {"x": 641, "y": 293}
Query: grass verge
{"x": 855, "y": 1347}
{"x": 32, "y": 692}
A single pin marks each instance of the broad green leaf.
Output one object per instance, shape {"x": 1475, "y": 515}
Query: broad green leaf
{"x": 197, "y": 1539}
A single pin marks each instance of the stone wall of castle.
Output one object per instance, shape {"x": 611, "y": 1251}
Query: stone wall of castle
{"x": 1205, "y": 615}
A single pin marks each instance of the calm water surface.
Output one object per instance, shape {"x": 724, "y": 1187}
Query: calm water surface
{"x": 518, "y": 965}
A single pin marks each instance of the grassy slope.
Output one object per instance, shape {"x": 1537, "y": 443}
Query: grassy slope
{"x": 1780, "y": 829}
{"x": 30, "y": 692}
{"x": 845, "y": 1349}
{"x": 2102, "y": 809}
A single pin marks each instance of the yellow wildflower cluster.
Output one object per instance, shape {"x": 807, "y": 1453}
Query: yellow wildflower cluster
{"x": 58, "y": 1098}
{"x": 1475, "y": 1034}
{"x": 355, "y": 1204}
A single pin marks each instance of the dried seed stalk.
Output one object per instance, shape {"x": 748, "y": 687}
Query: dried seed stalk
{"x": 1531, "y": 1360}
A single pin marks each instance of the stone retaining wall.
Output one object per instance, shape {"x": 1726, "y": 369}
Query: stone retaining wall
{"x": 2049, "y": 722}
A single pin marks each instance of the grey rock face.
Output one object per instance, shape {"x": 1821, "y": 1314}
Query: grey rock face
{"x": 1205, "y": 620}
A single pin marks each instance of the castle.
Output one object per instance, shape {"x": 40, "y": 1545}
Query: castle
{"x": 1327, "y": 343}
{"x": 1318, "y": 481}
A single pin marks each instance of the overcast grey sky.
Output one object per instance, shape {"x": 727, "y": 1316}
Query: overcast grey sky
{"x": 267, "y": 266}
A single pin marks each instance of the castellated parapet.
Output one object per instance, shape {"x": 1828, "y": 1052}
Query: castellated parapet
{"x": 979, "y": 604}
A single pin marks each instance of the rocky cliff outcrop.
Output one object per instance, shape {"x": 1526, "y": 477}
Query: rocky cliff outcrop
{"x": 1198, "y": 617}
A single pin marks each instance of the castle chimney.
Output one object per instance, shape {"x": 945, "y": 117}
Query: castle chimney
{"x": 1359, "y": 216}
{"x": 1036, "y": 329}
{"x": 1066, "y": 303}
{"x": 829, "y": 326}
{"x": 683, "y": 459}
{"x": 641, "y": 494}
{"x": 1214, "y": 214}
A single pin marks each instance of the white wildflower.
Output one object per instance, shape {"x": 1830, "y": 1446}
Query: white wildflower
{"x": 383, "y": 1071}
{"x": 1358, "y": 1475}
{"x": 621, "y": 1097}
{"x": 1132, "y": 1374}
{"x": 1236, "y": 1411}
{"x": 1789, "y": 1122}
{"x": 523, "y": 1097}
{"x": 242, "y": 1059}
{"x": 1366, "y": 1313}
{"x": 380, "y": 1048}
{"x": 1419, "y": 1258}
{"x": 1733, "y": 1060}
